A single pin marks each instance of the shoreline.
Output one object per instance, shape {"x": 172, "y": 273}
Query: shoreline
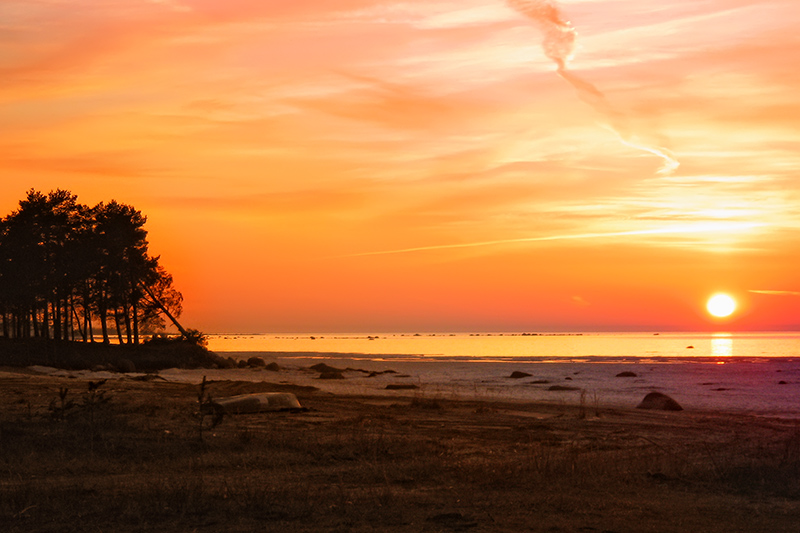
{"x": 766, "y": 388}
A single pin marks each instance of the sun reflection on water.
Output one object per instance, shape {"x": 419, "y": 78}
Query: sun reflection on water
{"x": 721, "y": 346}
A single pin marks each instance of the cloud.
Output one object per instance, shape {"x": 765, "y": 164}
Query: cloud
{"x": 664, "y": 230}
{"x": 580, "y": 301}
{"x": 775, "y": 293}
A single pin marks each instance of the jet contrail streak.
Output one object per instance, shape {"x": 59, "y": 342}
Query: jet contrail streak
{"x": 559, "y": 45}
{"x": 691, "y": 228}
{"x": 775, "y": 293}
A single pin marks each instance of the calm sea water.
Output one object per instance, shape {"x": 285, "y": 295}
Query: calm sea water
{"x": 521, "y": 347}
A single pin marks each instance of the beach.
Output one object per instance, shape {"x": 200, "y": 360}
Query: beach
{"x": 402, "y": 446}
{"x": 756, "y": 386}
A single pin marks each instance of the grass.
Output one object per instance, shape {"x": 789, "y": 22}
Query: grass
{"x": 134, "y": 462}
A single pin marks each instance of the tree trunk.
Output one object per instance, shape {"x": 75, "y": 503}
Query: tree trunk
{"x": 56, "y": 319}
{"x": 69, "y": 333}
{"x": 46, "y": 321}
{"x": 103, "y": 310}
{"x": 89, "y": 328}
{"x": 126, "y": 314}
{"x": 81, "y": 329}
{"x": 87, "y": 315}
{"x": 35, "y": 318}
{"x": 135, "y": 313}
{"x": 166, "y": 311}
{"x": 117, "y": 324}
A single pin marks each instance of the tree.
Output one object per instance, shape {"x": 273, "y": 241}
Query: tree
{"x": 65, "y": 266}
{"x": 125, "y": 264}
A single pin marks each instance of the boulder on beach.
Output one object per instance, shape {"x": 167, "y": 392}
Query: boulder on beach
{"x": 626, "y": 374}
{"x": 126, "y": 366}
{"x": 660, "y": 402}
{"x": 273, "y": 367}
{"x": 331, "y": 374}
{"x": 401, "y": 386}
{"x": 257, "y": 403}
{"x": 517, "y": 375}
{"x": 322, "y": 367}
{"x": 562, "y": 388}
{"x": 256, "y": 362}
{"x": 375, "y": 373}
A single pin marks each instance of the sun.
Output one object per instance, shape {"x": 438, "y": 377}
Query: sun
{"x": 721, "y": 305}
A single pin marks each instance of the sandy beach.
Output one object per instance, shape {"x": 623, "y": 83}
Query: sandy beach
{"x": 765, "y": 387}
{"x": 132, "y": 454}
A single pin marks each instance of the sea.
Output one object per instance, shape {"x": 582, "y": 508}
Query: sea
{"x": 523, "y": 346}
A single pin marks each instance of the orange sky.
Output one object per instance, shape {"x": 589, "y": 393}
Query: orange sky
{"x": 365, "y": 165}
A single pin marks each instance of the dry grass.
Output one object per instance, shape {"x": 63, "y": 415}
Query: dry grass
{"x": 136, "y": 462}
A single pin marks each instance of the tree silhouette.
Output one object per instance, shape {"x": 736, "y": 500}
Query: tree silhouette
{"x": 66, "y": 267}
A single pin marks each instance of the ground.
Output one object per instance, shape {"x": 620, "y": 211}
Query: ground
{"x": 135, "y": 455}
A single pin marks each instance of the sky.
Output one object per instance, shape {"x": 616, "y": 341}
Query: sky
{"x": 443, "y": 165}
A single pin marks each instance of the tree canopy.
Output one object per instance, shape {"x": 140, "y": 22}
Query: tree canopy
{"x": 67, "y": 268}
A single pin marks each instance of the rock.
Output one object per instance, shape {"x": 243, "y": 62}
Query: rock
{"x": 626, "y": 374}
{"x": 273, "y": 367}
{"x": 126, "y": 366}
{"x": 331, "y": 375}
{"x": 256, "y": 362}
{"x": 401, "y": 386}
{"x": 322, "y": 367}
{"x": 562, "y": 388}
{"x": 660, "y": 402}
{"x": 242, "y": 364}
{"x": 517, "y": 375}
{"x": 782, "y": 383}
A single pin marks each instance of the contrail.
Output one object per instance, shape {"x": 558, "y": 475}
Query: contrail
{"x": 690, "y": 228}
{"x": 559, "y": 45}
{"x": 775, "y": 293}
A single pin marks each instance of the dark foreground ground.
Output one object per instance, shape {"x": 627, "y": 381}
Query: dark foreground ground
{"x": 132, "y": 455}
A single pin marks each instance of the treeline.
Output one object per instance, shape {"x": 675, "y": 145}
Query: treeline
{"x": 70, "y": 272}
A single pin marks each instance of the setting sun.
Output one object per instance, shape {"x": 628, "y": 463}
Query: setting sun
{"x": 721, "y": 305}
